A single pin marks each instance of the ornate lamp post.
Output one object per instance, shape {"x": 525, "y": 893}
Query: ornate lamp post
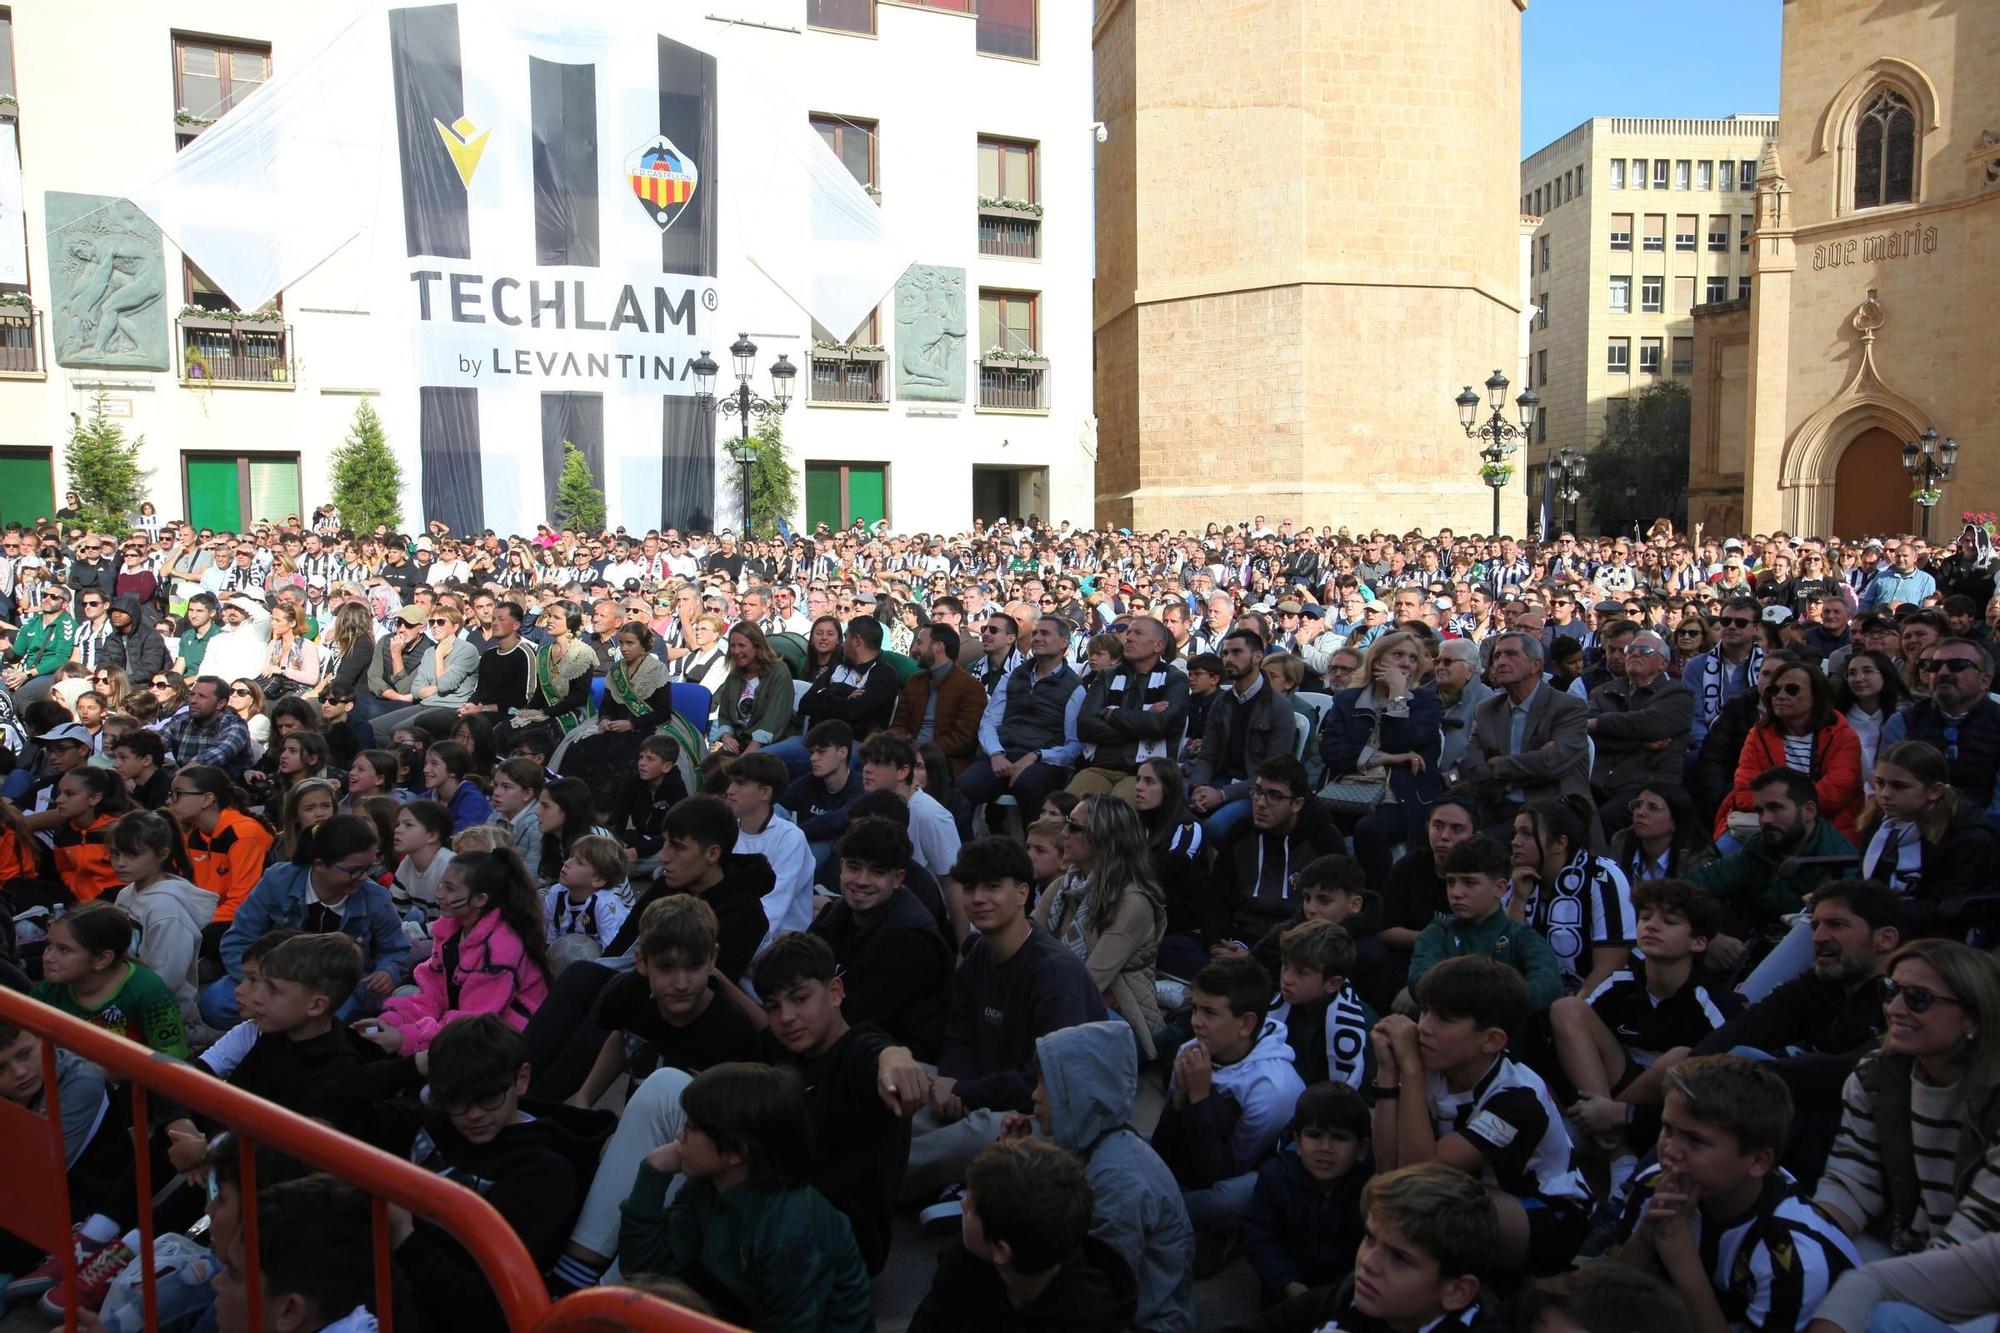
{"x": 743, "y": 451}
{"x": 1929, "y": 462}
{"x": 1565, "y": 471}
{"x": 1499, "y": 434}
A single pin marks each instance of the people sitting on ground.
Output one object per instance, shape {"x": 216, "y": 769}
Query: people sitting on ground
{"x": 1304, "y": 1222}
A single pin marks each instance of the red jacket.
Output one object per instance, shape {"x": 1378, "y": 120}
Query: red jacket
{"x": 1836, "y": 773}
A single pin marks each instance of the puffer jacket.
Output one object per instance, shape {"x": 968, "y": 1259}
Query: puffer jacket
{"x": 139, "y": 650}
{"x": 1836, "y": 774}
{"x": 1092, "y": 1075}
{"x": 484, "y": 970}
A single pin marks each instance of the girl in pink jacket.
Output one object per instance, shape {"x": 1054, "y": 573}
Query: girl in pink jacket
{"x": 489, "y": 955}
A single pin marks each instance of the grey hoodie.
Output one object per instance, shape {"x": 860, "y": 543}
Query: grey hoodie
{"x": 167, "y": 920}
{"x": 1092, "y": 1073}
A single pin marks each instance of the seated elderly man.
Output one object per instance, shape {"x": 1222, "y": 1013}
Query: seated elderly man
{"x": 1640, "y": 723}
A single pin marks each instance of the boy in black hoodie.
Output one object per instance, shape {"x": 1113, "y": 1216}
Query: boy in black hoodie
{"x": 895, "y": 962}
{"x": 477, "y": 1135}
{"x": 1025, "y": 1261}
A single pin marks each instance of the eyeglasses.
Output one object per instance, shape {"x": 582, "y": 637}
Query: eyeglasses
{"x": 1736, "y": 622}
{"x": 352, "y": 872}
{"x": 1642, "y": 650}
{"x": 487, "y": 1104}
{"x": 1916, "y": 999}
{"x": 1791, "y": 689}
{"x": 177, "y": 794}
{"x": 1269, "y": 794}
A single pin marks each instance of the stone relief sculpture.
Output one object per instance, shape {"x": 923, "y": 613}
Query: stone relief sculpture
{"x": 930, "y": 334}
{"x": 110, "y": 283}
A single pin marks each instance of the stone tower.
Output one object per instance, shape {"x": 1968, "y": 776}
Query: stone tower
{"x": 1308, "y": 240}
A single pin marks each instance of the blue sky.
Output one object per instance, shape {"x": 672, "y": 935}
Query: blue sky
{"x": 1584, "y": 58}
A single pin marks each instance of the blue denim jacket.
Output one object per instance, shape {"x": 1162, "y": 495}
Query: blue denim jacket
{"x": 367, "y": 917}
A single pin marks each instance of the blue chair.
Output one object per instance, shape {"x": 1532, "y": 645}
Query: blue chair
{"x": 694, "y": 702}
{"x": 597, "y": 694}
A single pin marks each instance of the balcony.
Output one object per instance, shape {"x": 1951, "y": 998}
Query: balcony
{"x": 21, "y": 341}
{"x": 217, "y": 350}
{"x": 847, "y": 376}
{"x": 1010, "y": 233}
{"x": 1013, "y": 384}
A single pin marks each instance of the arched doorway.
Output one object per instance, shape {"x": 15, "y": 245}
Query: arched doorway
{"x": 1871, "y": 492}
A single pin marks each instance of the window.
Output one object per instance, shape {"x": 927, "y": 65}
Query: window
{"x": 1683, "y": 356}
{"x": 842, "y": 15}
{"x": 1743, "y": 289}
{"x": 1684, "y": 232}
{"x": 1655, "y": 238}
{"x": 1725, "y": 176}
{"x": 1007, "y": 170}
{"x": 1652, "y": 295}
{"x": 1717, "y": 290}
{"x": 853, "y": 142}
{"x": 1580, "y": 178}
{"x": 1541, "y": 429}
{"x": 1542, "y": 369}
{"x": 1682, "y": 169}
{"x": 1007, "y": 320}
{"x": 1649, "y": 356}
{"x": 6, "y": 62}
{"x": 1544, "y": 305}
{"x": 1545, "y": 254}
{"x": 1718, "y": 233}
{"x": 1744, "y": 226}
{"x": 1704, "y": 175}
{"x": 1746, "y": 175}
{"x": 1885, "y": 150}
{"x": 1007, "y": 28}
{"x": 1683, "y": 295}
{"x": 1618, "y": 356}
{"x": 1621, "y": 294}
{"x": 1638, "y": 173}
{"x": 1659, "y": 173}
{"x": 211, "y": 76}
{"x": 1621, "y": 231}
{"x": 1617, "y": 173}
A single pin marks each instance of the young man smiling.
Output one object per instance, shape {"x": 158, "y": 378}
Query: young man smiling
{"x": 896, "y": 964}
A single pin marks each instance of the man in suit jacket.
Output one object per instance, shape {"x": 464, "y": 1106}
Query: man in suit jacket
{"x": 1528, "y": 741}
{"x": 942, "y": 702}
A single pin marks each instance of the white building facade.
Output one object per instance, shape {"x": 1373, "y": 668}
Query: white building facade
{"x": 972, "y": 130}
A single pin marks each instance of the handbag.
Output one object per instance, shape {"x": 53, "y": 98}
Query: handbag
{"x": 1359, "y": 793}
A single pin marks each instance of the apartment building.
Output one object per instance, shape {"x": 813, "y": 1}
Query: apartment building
{"x": 1641, "y": 222}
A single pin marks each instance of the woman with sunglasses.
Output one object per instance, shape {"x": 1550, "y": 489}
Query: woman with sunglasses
{"x": 170, "y": 691}
{"x": 1913, "y": 1164}
{"x": 1692, "y": 637}
{"x": 1798, "y": 728}
{"x": 112, "y": 683}
{"x": 246, "y": 700}
{"x": 447, "y": 676}
{"x": 1109, "y": 909}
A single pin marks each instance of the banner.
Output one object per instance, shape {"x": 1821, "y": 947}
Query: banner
{"x": 562, "y": 210}
{"x": 13, "y": 220}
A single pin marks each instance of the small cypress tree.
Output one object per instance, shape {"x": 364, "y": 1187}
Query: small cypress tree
{"x": 367, "y": 479}
{"x": 104, "y": 471}
{"x": 773, "y": 481}
{"x": 579, "y": 500}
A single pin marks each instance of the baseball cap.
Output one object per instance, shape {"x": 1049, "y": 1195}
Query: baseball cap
{"x": 410, "y": 615}
{"x": 1776, "y": 615}
{"x": 1732, "y": 544}
{"x": 1376, "y": 605}
{"x": 66, "y": 731}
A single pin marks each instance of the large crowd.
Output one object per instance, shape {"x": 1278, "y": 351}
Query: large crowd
{"x": 1460, "y": 933}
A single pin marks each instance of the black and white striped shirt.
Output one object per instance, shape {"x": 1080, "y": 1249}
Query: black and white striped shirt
{"x": 1770, "y": 1270}
{"x": 1517, "y": 1127}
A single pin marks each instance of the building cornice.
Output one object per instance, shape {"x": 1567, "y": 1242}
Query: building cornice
{"x": 1305, "y": 276}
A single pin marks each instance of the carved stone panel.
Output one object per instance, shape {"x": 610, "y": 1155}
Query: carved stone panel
{"x": 930, "y": 334}
{"x": 109, "y": 280}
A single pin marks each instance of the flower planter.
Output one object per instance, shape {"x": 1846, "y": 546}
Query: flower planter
{"x": 1014, "y": 362}
{"x": 858, "y": 354}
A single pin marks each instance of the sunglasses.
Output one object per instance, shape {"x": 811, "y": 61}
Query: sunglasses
{"x": 1690, "y": 632}
{"x": 1075, "y": 827}
{"x": 438, "y": 622}
{"x": 162, "y": 684}
{"x": 1916, "y": 999}
{"x": 1951, "y": 664}
{"x": 239, "y": 694}
{"x": 1791, "y": 689}
{"x": 1735, "y": 622}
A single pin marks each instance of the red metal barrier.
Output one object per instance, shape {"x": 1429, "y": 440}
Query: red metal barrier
{"x": 34, "y": 1203}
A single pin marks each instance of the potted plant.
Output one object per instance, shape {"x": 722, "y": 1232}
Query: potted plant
{"x": 1007, "y": 207}
{"x": 1496, "y": 475}
{"x": 866, "y": 352}
{"x": 1926, "y": 496}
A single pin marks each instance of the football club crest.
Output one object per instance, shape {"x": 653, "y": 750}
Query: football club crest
{"x": 663, "y": 179}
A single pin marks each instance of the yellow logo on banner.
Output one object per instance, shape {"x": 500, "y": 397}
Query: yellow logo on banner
{"x": 464, "y": 147}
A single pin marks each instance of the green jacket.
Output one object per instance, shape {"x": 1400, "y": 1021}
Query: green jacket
{"x": 784, "y": 1259}
{"x": 1514, "y": 943}
{"x": 43, "y": 644}
{"x": 1748, "y": 880}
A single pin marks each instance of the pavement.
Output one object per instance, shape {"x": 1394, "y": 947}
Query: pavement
{"x": 1226, "y": 1300}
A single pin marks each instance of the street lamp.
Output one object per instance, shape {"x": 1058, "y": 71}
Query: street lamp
{"x": 747, "y": 404}
{"x": 1498, "y": 433}
{"x": 1565, "y": 471}
{"x": 1929, "y": 462}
